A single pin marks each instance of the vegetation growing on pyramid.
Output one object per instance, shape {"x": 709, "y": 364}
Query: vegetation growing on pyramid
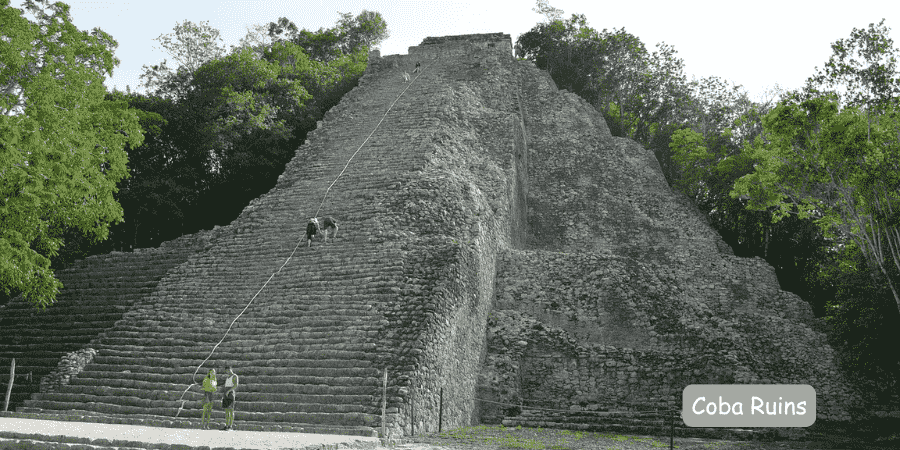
{"x": 723, "y": 150}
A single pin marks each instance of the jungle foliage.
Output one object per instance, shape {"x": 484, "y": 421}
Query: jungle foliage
{"x": 120, "y": 170}
{"x": 229, "y": 125}
{"x": 62, "y": 143}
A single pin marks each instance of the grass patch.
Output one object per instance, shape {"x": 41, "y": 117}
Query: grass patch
{"x": 500, "y": 437}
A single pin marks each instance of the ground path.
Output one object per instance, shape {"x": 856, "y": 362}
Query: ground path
{"x": 31, "y": 433}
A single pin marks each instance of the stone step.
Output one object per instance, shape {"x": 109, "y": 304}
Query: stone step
{"x": 278, "y": 303}
{"x": 34, "y": 352}
{"x": 20, "y": 397}
{"x": 338, "y": 386}
{"x": 76, "y": 318}
{"x": 197, "y": 325}
{"x": 28, "y": 363}
{"x": 294, "y": 413}
{"x": 41, "y": 442}
{"x": 348, "y": 385}
{"x": 312, "y": 285}
{"x": 31, "y": 333}
{"x": 244, "y": 335}
{"x": 64, "y": 333}
{"x": 164, "y": 350}
{"x": 249, "y": 401}
{"x": 67, "y": 302}
{"x": 268, "y": 309}
{"x": 299, "y": 359}
{"x": 182, "y": 422}
{"x": 320, "y": 368}
{"x": 289, "y": 335}
{"x": 279, "y": 328}
{"x": 285, "y": 327}
{"x": 37, "y": 333}
{"x": 266, "y": 316}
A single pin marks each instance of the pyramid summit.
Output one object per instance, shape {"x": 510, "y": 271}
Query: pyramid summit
{"x": 500, "y": 254}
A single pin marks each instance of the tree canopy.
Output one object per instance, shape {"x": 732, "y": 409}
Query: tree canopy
{"x": 224, "y": 137}
{"x": 350, "y": 35}
{"x": 829, "y": 166}
{"x": 639, "y": 93}
{"x": 62, "y": 156}
{"x": 192, "y": 46}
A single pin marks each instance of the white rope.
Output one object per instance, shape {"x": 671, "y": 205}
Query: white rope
{"x": 194, "y": 376}
{"x": 367, "y": 140}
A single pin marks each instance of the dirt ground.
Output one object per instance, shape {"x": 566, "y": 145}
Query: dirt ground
{"x": 496, "y": 438}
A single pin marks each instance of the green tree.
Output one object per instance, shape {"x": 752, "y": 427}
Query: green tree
{"x": 708, "y": 158}
{"x": 833, "y": 167}
{"x": 348, "y": 36}
{"x": 862, "y": 319}
{"x": 257, "y": 39}
{"x": 638, "y": 93}
{"x": 543, "y": 8}
{"x": 365, "y": 31}
{"x": 227, "y": 139}
{"x": 250, "y": 114}
{"x": 624, "y": 78}
{"x": 167, "y": 174}
{"x": 60, "y": 159}
{"x": 191, "y": 46}
{"x": 872, "y": 85}
{"x": 716, "y": 105}
{"x": 240, "y": 96}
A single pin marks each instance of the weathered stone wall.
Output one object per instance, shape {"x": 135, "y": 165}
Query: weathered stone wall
{"x": 452, "y": 218}
{"x": 482, "y": 184}
{"x": 96, "y": 292}
{"x": 597, "y": 332}
{"x": 645, "y": 298}
{"x": 69, "y": 367}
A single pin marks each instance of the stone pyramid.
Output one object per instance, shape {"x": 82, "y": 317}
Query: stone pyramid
{"x": 501, "y": 257}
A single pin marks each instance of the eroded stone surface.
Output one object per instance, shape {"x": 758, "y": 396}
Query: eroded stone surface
{"x": 496, "y": 243}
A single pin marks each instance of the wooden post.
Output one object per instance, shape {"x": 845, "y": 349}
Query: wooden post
{"x": 672, "y": 434}
{"x": 441, "y": 411}
{"x": 12, "y": 375}
{"x": 384, "y": 404}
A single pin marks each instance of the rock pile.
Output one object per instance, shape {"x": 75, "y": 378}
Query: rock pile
{"x": 69, "y": 366}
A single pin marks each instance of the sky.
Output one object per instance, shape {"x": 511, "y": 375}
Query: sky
{"x": 754, "y": 44}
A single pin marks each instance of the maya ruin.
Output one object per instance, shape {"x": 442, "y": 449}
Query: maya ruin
{"x": 497, "y": 243}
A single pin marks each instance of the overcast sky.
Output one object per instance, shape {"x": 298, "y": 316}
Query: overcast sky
{"x": 756, "y": 44}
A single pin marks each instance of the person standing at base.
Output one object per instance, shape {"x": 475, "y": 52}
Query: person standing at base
{"x": 231, "y": 383}
{"x": 209, "y": 387}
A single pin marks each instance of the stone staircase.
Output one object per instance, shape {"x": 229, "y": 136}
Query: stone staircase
{"x": 27, "y": 433}
{"x": 98, "y": 291}
{"x": 310, "y": 350}
{"x": 621, "y": 297}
